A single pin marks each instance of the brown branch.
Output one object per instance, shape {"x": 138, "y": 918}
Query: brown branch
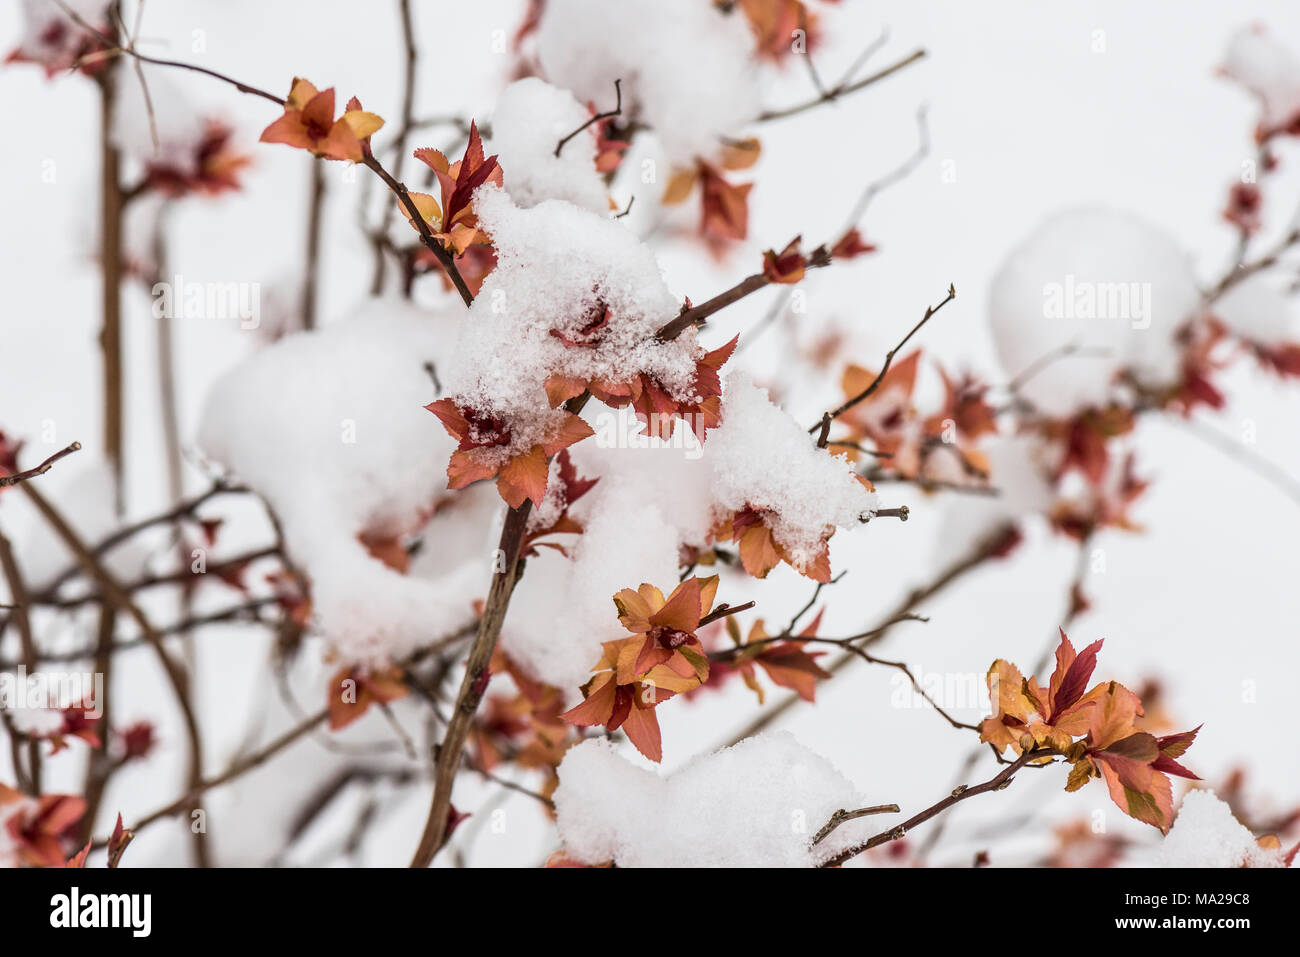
{"x": 111, "y": 265}
{"x": 181, "y": 510}
{"x": 992, "y": 546}
{"x": 311, "y": 266}
{"x": 100, "y": 767}
{"x": 473, "y": 684}
{"x": 843, "y": 89}
{"x": 182, "y": 577}
{"x": 244, "y": 611}
{"x": 1000, "y": 781}
{"x": 843, "y": 817}
{"x": 858, "y": 212}
{"x": 889, "y": 359}
{"x": 426, "y": 236}
{"x": 399, "y": 143}
{"x": 616, "y": 111}
{"x": 1244, "y": 270}
{"x": 725, "y": 611}
{"x": 370, "y": 162}
{"x": 166, "y": 364}
{"x": 190, "y": 798}
{"x": 19, "y": 477}
{"x": 114, "y": 49}
{"x": 18, "y": 595}
{"x": 116, "y": 595}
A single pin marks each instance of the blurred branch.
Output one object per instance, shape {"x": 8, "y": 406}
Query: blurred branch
{"x": 596, "y": 118}
{"x": 120, "y": 598}
{"x": 856, "y": 215}
{"x": 20, "y": 617}
{"x": 20, "y": 477}
{"x": 843, "y": 88}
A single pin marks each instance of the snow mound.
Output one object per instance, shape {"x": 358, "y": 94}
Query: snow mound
{"x": 1268, "y": 69}
{"x": 756, "y": 804}
{"x": 1205, "y": 834}
{"x": 530, "y": 119}
{"x": 573, "y": 294}
{"x": 688, "y": 70}
{"x": 329, "y": 427}
{"x": 1103, "y": 281}
{"x": 762, "y": 458}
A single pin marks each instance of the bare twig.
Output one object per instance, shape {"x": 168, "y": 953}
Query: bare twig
{"x": 19, "y": 477}
{"x": 616, "y": 111}
{"x": 1001, "y": 780}
{"x": 115, "y": 594}
{"x": 843, "y": 89}
{"x": 843, "y": 817}
{"x": 990, "y": 547}
{"x": 889, "y": 359}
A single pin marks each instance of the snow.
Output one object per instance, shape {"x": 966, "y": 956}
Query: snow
{"x": 1258, "y": 311}
{"x": 758, "y": 803}
{"x": 329, "y": 427}
{"x": 563, "y": 609}
{"x": 36, "y": 721}
{"x": 762, "y": 458}
{"x": 556, "y": 264}
{"x": 1269, "y": 69}
{"x": 1103, "y": 281}
{"x": 651, "y": 499}
{"x": 688, "y": 70}
{"x": 759, "y": 457}
{"x": 1205, "y": 834}
{"x": 531, "y": 117}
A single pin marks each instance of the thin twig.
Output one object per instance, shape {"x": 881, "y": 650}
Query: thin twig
{"x": 843, "y": 89}
{"x": 843, "y": 817}
{"x": 990, "y": 547}
{"x": 889, "y": 359}
{"x": 616, "y": 111}
{"x": 1001, "y": 780}
{"x": 18, "y": 477}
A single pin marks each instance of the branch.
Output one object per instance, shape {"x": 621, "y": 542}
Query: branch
{"x": 842, "y": 89}
{"x": 116, "y": 595}
{"x": 992, "y": 546}
{"x": 19, "y": 477}
{"x": 444, "y": 258}
{"x": 889, "y": 358}
{"x": 190, "y": 797}
{"x": 18, "y": 595}
{"x": 370, "y": 162}
{"x": 859, "y": 210}
{"x": 843, "y": 817}
{"x": 404, "y": 131}
{"x": 725, "y": 611}
{"x": 616, "y": 111}
{"x": 959, "y": 794}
